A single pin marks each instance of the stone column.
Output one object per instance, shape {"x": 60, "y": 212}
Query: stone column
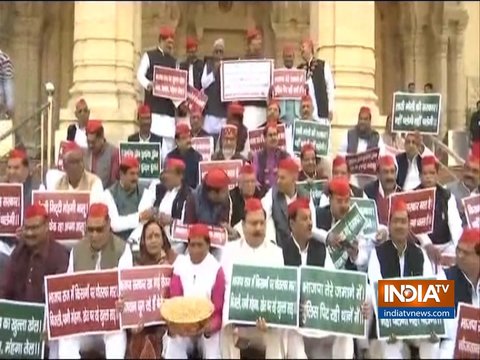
{"x": 441, "y": 50}
{"x": 104, "y": 66}
{"x": 421, "y": 74}
{"x": 409, "y": 61}
{"x": 459, "y": 102}
{"x": 345, "y": 34}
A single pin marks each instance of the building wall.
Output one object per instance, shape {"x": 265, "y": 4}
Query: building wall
{"x": 471, "y": 52}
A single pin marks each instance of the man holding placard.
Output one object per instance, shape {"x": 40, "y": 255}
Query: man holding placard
{"x": 144, "y": 134}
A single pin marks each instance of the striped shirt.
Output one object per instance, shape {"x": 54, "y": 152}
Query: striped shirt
{"x": 6, "y": 66}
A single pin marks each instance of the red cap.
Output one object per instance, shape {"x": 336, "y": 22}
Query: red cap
{"x": 247, "y": 169}
{"x": 252, "y": 33}
{"x": 229, "y": 130}
{"x": 298, "y": 204}
{"x": 182, "y": 129}
{"x": 98, "y": 210}
{"x": 69, "y": 146}
{"x": 340, "y": 187}
{"x": 398, "y": 205}
{"x": 93, "y": 126}
{"x": 191, "y": 43}
{"x": 429, "y": 160}
{"x": 386, "y": 160}
{"x": 130, "y": 162}
{"x": 475, "y": 151}
{"x": 339, "y": 161}
{"x": 365, "y": 110}
{"x": 17, "y": 154}
{"x": 235, "y": 108}
{"x": 217, "y": 179}
{"x": 288, "y": 164}
{"x": 308, "y": 42}
{"x": 253, "y": 204}
{"x": 198, "y": 231}
{"x": 288, "y": 49}
{"x": 35, "y": 210}
{"x": 470, "y": 236}
{"x": 306, "y": 99}
{"x": 166, "y": 32}
{"x": 308, "y": 147}
{"x": 174, "y": 164}
{"x": 144, "y": 111}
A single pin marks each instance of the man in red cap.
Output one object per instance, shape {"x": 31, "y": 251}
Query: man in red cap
{"x": 192, "y": 64}
{"x": 306, "y": 108}
{"x": 466, "y": 275}
{"x": 196, "y": 123}
{"x": 255, "y": 249}
{"x": 228, "y": 145}
{"x": 273, "y": 110}
{"x": 144, "y": 121}
{"x": 123, "y": 200}
{"x": 76, "y": 132}
{"x": 386, "y": 185}
{"x": 235, "y": 113}
{"x": 102, "y": 157}
{"x": 246, "y": 189}
{"x": 266, "y": 161}
{"x": 447, "y": 224}
{"x": 215, "y": 110}
{"x": 409, "y": 163}
{"x": 99, "y": 250}
{"x": 320, "y": 82}
{"x": 163, "y": 109}
{"x": 185, "y": 152}
{"x": 469, "y": 185}
{"x": 362, "y": 137}
{"x": 311, "y": 168}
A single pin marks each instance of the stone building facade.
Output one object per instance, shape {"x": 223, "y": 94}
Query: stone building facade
{"x": 92, "y": 49}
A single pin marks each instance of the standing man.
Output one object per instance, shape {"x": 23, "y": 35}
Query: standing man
{"x": 215, "y": 110}
{"x": 144, "y": 134}
{"x": 411, "y": 88}
{"x": 428, "y": 88}
{"x": 7, "y": 90}
{"x": 246, "y": 189}
{"x": 163, "y": 110}
{"x": 289, "y": 109}
{"x": 193, "y": 65}
{"x": 77, "y": 132}
{"x": 409, "y": 164}
{"x": 319, "y": 81}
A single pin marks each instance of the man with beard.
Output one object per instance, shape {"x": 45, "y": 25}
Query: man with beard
{"x": 187, "y": 154}
{"x": 215, "y": 110}
{"x": 76, "y": 132}
{"x": 400, "y": 258}
{"x": 319, "y": 81}
{"x": 466, "y": 276}
{"x": 447, "y": 225}
{"x": 386, "y": 185}
{"x": 196, "y": 123}
{"x": 235, "y": 117}
{"x": 266, "y": 161}
{"x": 254, "y": 249}
{"x": 362, "y": 137}
{"x": 311, "y": 165}
{"x": 468, "y": 186}
{"x": 409, "y": 164}
{"x": 228, "y": 145}
{"x": 163, "y": 110}
{"x": 144, "y": 134}
{"x": 193, "y": 65}
{"x": 306, "y": 108}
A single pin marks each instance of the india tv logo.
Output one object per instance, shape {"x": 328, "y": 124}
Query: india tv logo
{"x": 416, "y": 299}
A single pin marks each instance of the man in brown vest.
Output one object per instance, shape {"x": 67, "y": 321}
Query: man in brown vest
{"x": 99, "y": 250}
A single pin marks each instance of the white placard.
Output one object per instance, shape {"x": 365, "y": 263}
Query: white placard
{"x": 244, "y": 80}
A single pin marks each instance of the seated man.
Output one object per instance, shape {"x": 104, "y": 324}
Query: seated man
{"x": 196, "y": 123}
{"x": 144, "y": 133}
{"x": 311, "y": 164}
{"x": 228, "y": 144}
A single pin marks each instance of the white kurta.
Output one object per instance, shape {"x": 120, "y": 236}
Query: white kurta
{"x": 118, "y": 222}
{"x": 211, "y": 124}
{"x": 115, "y": 342}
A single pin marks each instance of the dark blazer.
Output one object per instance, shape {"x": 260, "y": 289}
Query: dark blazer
{"x": 402, "y": 163}
{"x": 71, "y": 132}
{"x": 197, "y": 72}
{"x": 153, "y": 138}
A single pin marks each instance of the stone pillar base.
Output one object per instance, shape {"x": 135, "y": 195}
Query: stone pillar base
{"x": 9, "y": 142}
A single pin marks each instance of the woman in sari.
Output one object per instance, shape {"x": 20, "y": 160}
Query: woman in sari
{"x": 155, "y": 249}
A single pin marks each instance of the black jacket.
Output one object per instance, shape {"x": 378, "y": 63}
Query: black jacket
{"x": 153, "y": 138}
{"x": 197, "y": 72}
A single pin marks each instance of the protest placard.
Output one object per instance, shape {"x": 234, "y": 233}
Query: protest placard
{"x": 67, "y": 212}
{"x": 196, "y": 99}
{"x": 81, "y": 303}
{"x": 316, "y": 133}
{"x": 421, "y": 208}
{"x": 332, "y": 301}
{"x": 268, "y": 292}
{"x": 170, "y": 83}
{"x": 368, "y": 209}
{"x": 231, "y": 167}
{"x": 147, "y": 154}
{"x": 204, "y": 145}
{"x": 143, "y": 289}
{"x": 257, "y": 140}
{"x": 349, "y": 227}
{"x": 244, "y": 80}
{"x": 471, "y": 206}
{"x": 288, "y": 84}
{"x": 467, "y": 341}
{"x": 218, "y": 235}
{"x": 364, "y": 162}
{"x": 416, "y": 112}
{"x": 21, "y": 330}
{"x": 314, "y": 187}
{"x": 11, "y": 208}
